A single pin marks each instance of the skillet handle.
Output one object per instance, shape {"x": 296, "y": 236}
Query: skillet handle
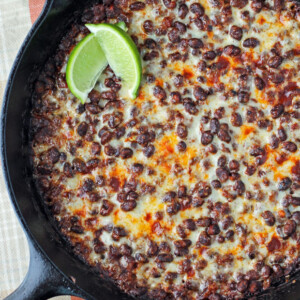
{"x": 43, "y": 280}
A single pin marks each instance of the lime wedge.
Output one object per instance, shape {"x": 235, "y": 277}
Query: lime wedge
{"x": 122, "y": 55}
{"x": 86, "y": 63}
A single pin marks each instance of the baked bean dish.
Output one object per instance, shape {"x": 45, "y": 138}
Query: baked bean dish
{"x": 191, "y": 190}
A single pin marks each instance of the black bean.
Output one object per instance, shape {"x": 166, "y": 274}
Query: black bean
{"x": 182, "y": 131}
{"x": 284, "y": 184}
{"x": 119, "y": 132}
{"x": 239, "y": 187}
{"x": 178, "y": 81}
{"x": 151, "y": 55}
{"x": 182, "y": 11}
{"x": 242, "y": 286}
{"x": 189, "y": 224}
{"x": 117, "y": 233}
{"x": 224, "y": 136}
{"x": 182, "y": 243}
{"x": 206, "y": 138}
{"x": 106, "y": 208}
{"x": 93, "y": 108}
{"x": 149, "y": 150}
{"x": 106, "y": 137}
{"x": 276, "y": 78}
{"x": 289, "y": 228}
{"x": 227, "y": 222}
{"x": 259, "y": 83}
{"x": 148, "y": 26}
{"x": 275, "y": 61}
{"x": 173, "y": 208}
{"x": 256, "y": 151}
{"x": 203, "y": 239}
{"x": 181, "y": 146}
{"x": 222, "y": 174}
{"x": 175, "y": 97}
{"x": 152, "y": 249}
{"x": 128, "y": 205}
{"x": 135, "y": 6}
{"x": 88, "y": 185}
{"x": 234, "y": 165}
{"x": 174, "y": 35}
{"x": 165, "y": 257}
{"x": 110, "y": 150}
{"x": 204, "y": 192}
{"x": 274, "y": 142}
{"x": 170, "y": 4}
{"x": 115, "y": 120}
{"x": 169, "y": 196}
{"x": 293, "y": 200}
{"x": 200, "y": 94}
{"x": 213, "y": 229}
{"x": 150, "y": 44}
{"x": 181, "y": 27}
{"x": 296, "y": 217}
{"x": 191, "y": 108}
{"x": 250, "y": 170}
{"x": 236, "y": 32}
{"x": 257, "y": 5}
{"x": 232, "y": 50}
{"x": 143, "y": 139}
{"x": 126, "y": 153}
{"x": 209, "y": 55}
{"x": 159, "y": 93}
{"x": 203, "y": 222}
{"x": 239, "y": 3}
{"x": 219, "y": 112}
{"x": 251, "y": 43}
{"x": 137, "y": 168}
{"x": 236, "y": 119}
{"x": 222, "y": 161}
{"x": 77, "y": 229}
{"x": 243, "y": 96}
{"x": 216, "y": 184}
{"x": 82, "y": 129}
{"x": 68, "y": 171}
{"x": 282, "y": 134}
{"x": 79, "y": 165}
{"x": 197, "y": 8}
{"x": 229, "y": 235}
{"x": 195, "y": 43}
{"x": 108, "y": 95}
{"x": 268, "y": 217}
{"x": 290, "y": 146}
{"x": 95, "y": 148}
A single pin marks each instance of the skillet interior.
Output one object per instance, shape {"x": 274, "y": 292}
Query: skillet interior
{"x": 25, "y": 198}
{"x": 41, "y": 44}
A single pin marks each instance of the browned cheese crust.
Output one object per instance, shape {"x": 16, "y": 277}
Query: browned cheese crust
{"x": 191, "y": 190}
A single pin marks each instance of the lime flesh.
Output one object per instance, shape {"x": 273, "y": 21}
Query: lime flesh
{"x": 122, "y": 55}
{"x": 87, "y": 61}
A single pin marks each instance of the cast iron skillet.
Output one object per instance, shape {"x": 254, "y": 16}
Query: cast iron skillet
{"x": 53, "y": 268}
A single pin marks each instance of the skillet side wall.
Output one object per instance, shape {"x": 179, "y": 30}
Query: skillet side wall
{"x": 42, "y": 44}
